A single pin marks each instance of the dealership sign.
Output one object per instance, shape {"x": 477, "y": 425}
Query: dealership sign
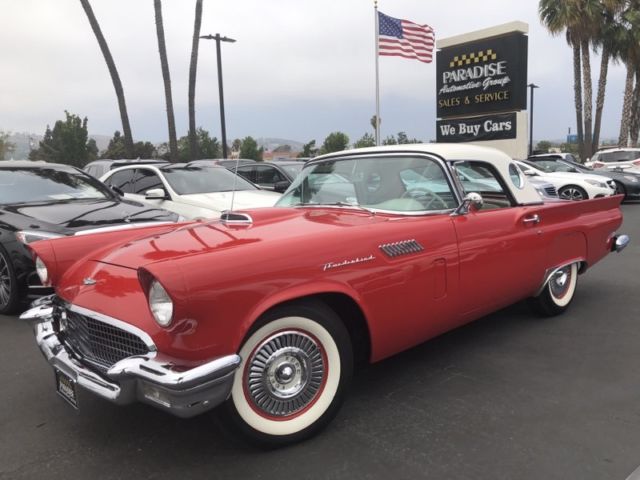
{"x": 491, "y": 127}
{"x": 486, "y": 75}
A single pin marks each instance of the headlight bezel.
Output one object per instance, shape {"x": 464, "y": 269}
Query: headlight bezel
{"x": 42, "y": 271}
{"x": 160, "y": 303}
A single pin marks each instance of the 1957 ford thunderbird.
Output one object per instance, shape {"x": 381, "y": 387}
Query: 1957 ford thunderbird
{"x": 264, "y": 311}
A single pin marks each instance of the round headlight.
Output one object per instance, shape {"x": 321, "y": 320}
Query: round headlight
{"x": 41, "y": 270}
{"x": 160, "y": 304}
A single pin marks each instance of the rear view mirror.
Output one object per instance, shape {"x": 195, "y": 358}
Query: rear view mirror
{"x": 155, "y": 194}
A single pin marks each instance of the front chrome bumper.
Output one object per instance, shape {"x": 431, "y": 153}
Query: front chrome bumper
{"x": 147, "y": 379}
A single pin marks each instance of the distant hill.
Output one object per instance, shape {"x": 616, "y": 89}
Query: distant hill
{"x": 25, "y": 142}
{"x": 271, "y": 144}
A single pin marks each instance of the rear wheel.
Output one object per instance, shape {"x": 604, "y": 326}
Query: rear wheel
{"x": 558, "y": 292}
{"x": 620, "y": 190}
{"x": 572, "y": 192}
{"x": 9, "y": 297}
{"x": 296, "y": 365}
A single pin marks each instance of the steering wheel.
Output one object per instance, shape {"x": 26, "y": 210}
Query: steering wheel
{"x": 426, "y": 197}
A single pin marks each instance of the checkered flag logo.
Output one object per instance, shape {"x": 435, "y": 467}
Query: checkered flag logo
{"x": 469, "y": 59}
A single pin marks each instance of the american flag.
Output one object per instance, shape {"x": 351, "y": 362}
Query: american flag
{"x": 403, "y": 38}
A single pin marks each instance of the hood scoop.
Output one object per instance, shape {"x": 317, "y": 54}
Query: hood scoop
{"x": 235, "y": 218}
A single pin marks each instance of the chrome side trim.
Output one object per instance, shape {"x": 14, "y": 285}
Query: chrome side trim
{"x": 115, "y": 228}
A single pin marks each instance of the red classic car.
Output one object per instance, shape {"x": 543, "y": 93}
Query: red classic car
{"x": 368, "y": 253}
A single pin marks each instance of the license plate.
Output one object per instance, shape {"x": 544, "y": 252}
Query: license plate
{"x": 66, "y": 388}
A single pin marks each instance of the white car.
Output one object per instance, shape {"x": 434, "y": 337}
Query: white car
{"x": 572, "y": 186}
{"x": 616, "y": 158}
{"x": 192, "y": 191}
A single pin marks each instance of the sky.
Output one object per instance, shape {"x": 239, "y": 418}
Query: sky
{"x": 299, "y": 69}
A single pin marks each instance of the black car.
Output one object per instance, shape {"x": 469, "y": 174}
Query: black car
{"x": 627, "y": 183}
{"x": 276, "y": 176}
{"x": 41, "y": 200}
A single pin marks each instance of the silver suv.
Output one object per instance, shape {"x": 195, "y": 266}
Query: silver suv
{"x": 616, "y": 159}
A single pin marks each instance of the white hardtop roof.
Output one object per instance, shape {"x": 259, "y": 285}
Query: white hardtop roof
{"x": 526, "y": 194}
{"x": 448, "y": 151}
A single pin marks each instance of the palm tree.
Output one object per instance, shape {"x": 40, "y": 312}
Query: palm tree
{"x": 627, "y": 45}
{"x": 173, "y": 140}
{"x": 115, "y": 78}
{"x": 564, "y": 16}
{"x": 193, "y": 68}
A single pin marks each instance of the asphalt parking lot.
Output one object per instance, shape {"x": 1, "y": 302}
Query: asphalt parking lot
{"x": 511, "y": 396}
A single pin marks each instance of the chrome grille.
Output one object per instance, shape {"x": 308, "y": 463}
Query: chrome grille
{"x": 551, "y": 191}
{"x": 96, "y": 342}
{"x": 404, "y": 247}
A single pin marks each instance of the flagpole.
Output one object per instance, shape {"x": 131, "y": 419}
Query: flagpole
{"x": 377, "y": 23}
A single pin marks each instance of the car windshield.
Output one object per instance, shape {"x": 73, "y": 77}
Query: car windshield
{"x": 619, "y": 156}
{"x": 554, "y": 166}
{"x": 196, "y": 179}
{"x": 36, "y": 185}
{"x": 389, "y": 183}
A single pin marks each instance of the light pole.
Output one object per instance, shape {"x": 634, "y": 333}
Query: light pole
{"x": 223, "y": 126}
{"x": 531, "y": 87}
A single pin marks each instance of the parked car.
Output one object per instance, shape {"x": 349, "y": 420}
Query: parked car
{"x": 274, "y": 176}
{"x": 98, "y": 168}
{"x": 45, "y": 200}
{"x": 570, "y": 157}
{"x": 616, "y": 158}
{"x": 626, "y": 183}
{"x": 266, "y": 310}
{"x": 572, "y": 186}
{"x": 192, "y": 191}
{"x": 229, "y": 163}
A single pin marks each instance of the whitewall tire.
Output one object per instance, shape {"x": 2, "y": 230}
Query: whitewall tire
{"x": 296, "y": 363}
{"x": 558, "y": 291}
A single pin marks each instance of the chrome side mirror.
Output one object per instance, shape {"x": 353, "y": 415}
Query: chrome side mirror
{"x": 470, "y": 203}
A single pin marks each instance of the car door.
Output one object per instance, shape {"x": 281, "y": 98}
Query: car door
{"x": 248, "y": 172}
{"x": 267, "y": 176}
{"x": 501, "y": 246}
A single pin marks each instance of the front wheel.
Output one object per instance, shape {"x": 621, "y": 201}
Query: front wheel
{"x": 558, "y": 292}
{"x": 9, "y": 298}
{"x": 572, "y": 192}
{"x": 296, "y": 365}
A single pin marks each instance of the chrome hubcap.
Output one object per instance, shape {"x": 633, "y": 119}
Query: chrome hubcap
{"x": 571, "y": 194}
{"x": 5, "y": 281}
{"x": 285, "y": 373}
{"x": 560, "y": 282}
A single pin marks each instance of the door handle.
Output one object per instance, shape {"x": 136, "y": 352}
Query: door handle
{"x": 532, "y": 219}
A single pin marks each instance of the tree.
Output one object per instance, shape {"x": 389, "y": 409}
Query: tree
{"x": 206, "y": 147}
{"x": 404, "y": 140}
{"x": 193, "y": 69}
{"x": 6, "y": 147}
{"x": 249, "y": 149}
{"x": 116, "y": 148}
{"x": 115, "y": 78}
{"x": 543, "y": 146}
{"x": 367, "y": 140}
{"x": 335, "y": 142}
{"x": 68, "y": 142}
{"x": 390, "y": 140}
{"x": 164, "y": 63}
{"x": 308, "y": 150}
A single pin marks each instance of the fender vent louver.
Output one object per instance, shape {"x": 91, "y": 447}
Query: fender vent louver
{"x": 236, "y": 218}
{"x": 405, "y": 247}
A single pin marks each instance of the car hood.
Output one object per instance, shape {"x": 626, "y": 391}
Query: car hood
{"x": 220, "y": 201}
{"x": 73, "y": 216}
{"x": 283, "y": 227}
{"x": 581, "y": 176}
